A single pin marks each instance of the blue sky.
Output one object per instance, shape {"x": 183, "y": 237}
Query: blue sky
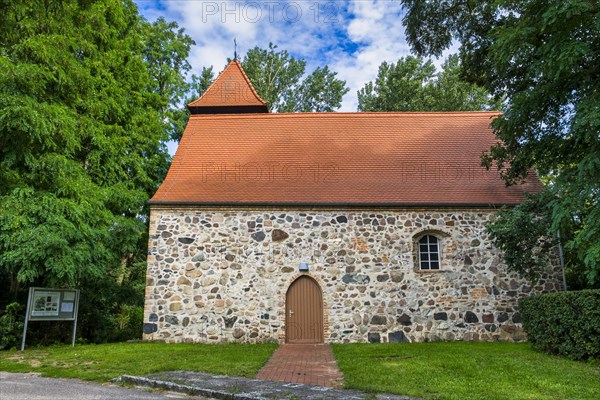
{"x": 352, "y": 37}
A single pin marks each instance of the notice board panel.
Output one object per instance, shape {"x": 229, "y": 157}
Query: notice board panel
{"x": 53, "y": 304}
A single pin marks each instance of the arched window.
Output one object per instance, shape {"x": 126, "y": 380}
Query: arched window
{"x": 429, "y": 252}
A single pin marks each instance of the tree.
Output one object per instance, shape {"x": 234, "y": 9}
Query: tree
{"x": 277, "y": 78}
{"x": 528, "y": 253}
{"x": 81, "y": 147}
{"x": 452, "y": 93}
{"x": 543, "y": 57}
{"x": 196, "y": 88}
{"x": 199, "y": 85}
{"x": 166, "y": 50}
{"x": 319, "y": 92}
{"x": 524, "y": 233}
{"x": 404, "y": 86}
{"x": 412, "y": 84}
{"x": 202, "y": 82}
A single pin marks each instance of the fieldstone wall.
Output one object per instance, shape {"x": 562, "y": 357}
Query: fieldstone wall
{"x": 221, "y": 275}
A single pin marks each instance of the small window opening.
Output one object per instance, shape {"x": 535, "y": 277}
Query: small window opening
{"x": 429, "y": 252}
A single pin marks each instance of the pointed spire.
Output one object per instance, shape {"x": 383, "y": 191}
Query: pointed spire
{"x": 234, "y": 50}
{"x": 230, "y": 93}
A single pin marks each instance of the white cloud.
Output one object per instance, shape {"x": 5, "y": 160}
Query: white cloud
{"x": 377, "y": 27}
{"x": 352, "y": 37}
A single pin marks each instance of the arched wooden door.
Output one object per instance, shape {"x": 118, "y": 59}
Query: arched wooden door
{"x": 304, "y": 312}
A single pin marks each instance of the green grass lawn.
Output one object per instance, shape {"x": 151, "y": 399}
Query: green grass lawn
{"x": 463, "y": 370}
{"x": 457, "y": 370}
{"x": 107, "y": 361}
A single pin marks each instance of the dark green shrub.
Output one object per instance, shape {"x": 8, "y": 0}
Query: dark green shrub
{"x": 128, "y": 323}
{"x": 564, "y": 323}
{"x": 11, "y": 326}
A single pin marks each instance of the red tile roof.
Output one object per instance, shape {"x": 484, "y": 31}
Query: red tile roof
{"x": 387, "y": 159}
{"x": 232, "y": 88}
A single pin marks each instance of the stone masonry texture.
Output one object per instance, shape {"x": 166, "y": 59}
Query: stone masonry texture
{"x": 218, "y": 275}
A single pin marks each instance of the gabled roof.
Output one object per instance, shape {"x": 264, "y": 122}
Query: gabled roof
{"x": 231, "y": 92}
{"x": 352, "y": 159}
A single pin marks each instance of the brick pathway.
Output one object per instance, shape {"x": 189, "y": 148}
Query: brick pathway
{"x": 312, "y": 364}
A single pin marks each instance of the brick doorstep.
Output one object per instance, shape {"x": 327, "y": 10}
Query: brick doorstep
{"x": 303, "y": 363}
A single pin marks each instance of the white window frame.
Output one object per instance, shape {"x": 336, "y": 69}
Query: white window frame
{"x": 438, "y": 253}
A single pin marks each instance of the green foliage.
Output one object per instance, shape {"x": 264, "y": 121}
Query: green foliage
{"x": 318, "y": 92}
{"x": 521, "y": 232}
{"x": 412, "y": 84}
{"x": 543, "y": 57}
{"x": 81, "y": 143}
{"x": 277, "y": 77}
{"x": 526, "y": 235}
{"x": 404, "y": 86}
{"x": 452, "y": 93}
{"x": 201, "y": 83}
{"x": 166, "y": 49}
{"x": 11, "y": 326}
{"x": 197, "y": 87}
{"x": 111, "y": 309}
{"x": 564, "y": 323}
{"x": 88, "y": 91}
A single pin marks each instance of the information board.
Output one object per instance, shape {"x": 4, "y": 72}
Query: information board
{"x": 53, "y": 304}
{"x": 45, "y": 304}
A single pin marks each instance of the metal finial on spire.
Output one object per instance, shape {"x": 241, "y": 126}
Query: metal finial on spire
{"x": 234, "y": 49}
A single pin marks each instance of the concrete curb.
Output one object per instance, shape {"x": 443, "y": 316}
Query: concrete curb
{"x": 237, "y": 388}
{"x": 176, "y": 387}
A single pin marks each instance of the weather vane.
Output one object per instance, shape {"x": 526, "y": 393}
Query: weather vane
{"x": 234, "y": 49}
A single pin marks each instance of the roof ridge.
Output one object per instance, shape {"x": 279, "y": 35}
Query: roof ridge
{"x": 237, "y": 63}
{"x": 338, "y": 114}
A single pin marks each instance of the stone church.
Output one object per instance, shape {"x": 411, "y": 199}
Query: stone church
{"x": 329, "y": 227}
